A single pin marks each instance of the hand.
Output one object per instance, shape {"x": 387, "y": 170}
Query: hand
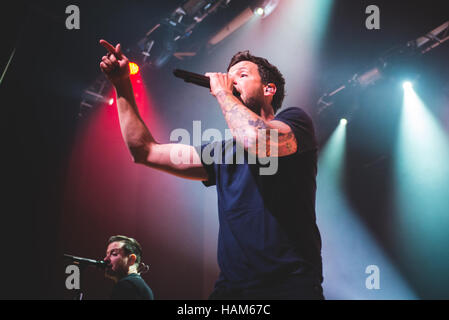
{"x": 220, "y": 82}
{"x": 115, "y": 65}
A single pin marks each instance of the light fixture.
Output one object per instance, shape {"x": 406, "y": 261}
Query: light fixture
{"x": 265, "y": 7}
{"x": 407, "y": 85}
{"x": 133, "y": 68}
{"x": 259, "y": 11}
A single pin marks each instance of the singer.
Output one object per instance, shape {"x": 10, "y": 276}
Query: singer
{"x": 269, "y": 246}
{"x": 123, "y": 266}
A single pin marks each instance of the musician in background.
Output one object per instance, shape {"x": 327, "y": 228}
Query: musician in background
{"x": 124, "y": 265}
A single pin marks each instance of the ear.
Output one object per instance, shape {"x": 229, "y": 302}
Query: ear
{"x": 132, "y": 259}
{"x": 269, "y": 89}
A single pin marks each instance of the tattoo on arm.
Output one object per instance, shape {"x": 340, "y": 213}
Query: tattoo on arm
{"x": 226, "y": 100}
{"x": 257, "y": 123}
{"x": 236, "y": 114}
{"x": 287, "y": 143}
{"x": 241, "y": 121}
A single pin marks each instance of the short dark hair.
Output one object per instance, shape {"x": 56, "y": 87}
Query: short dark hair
{"x": 268, "y": 73}
{"x": 131, "y": 246}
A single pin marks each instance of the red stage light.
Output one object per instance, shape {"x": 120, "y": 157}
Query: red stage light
{"x": 133, "y": 68}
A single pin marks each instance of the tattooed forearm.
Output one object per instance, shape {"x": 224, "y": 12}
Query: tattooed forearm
{"x": 227, "y": 101}
{"x": 236, "y": 114}
{"x": 257, "y": 123}
{"x": 247, "y": 127}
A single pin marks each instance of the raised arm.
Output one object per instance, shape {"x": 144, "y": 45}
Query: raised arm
{"x": 250, "y": 129}
{"x": 141, "y": 144}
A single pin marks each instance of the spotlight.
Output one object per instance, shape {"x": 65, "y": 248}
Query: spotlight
{"x": 259, "y": 11}
{"x": 264, "y": 8}
{"x": 133, "y": 68}
{"x": 343, "y": 122}
{"x": 407, "y": 85}
{"x": 111, "y": 101}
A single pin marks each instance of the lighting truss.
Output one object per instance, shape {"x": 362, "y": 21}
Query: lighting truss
{"x": 411, "y": 49}
{"x": 160, "y": 43}
{"x": 94, "y": 95}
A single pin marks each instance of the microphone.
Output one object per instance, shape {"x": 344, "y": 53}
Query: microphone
{"x": 86, "y": 261}
{"x": 191, "y": 77}
{"x": 198, "y": 79}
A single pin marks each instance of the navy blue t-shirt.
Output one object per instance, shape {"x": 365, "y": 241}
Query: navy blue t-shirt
{"x": 132, "y": 287}
{"x": 267, "y": 224}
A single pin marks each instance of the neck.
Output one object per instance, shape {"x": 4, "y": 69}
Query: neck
{"x": 132, "y": 269}
{"x": 267, "y": 113}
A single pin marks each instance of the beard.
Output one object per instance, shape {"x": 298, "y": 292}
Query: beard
{"x": 116, "y": 274}
{"x": 252, "y": 103}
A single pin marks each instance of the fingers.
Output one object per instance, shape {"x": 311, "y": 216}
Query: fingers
{"x": 109, "y": 63}
{"x": 110, "y": 60}
{"x": 219, "y": 82}
{"x": 113, "y": 59}
{"x": 107, "y": 46}
{"x": 217, "y": 75}
{"x": 104, "y": 67}
{"x": 214, "y": 74}
{"x": 118, "y": 50}
{"x": 220, "y": 77}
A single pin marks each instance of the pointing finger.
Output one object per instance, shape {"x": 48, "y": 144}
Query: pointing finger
{"x": 108, "y": 46}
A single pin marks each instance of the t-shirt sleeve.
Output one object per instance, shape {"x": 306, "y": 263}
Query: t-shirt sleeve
{"x": 302, "y": 127}
{"x": 207, "y": 155}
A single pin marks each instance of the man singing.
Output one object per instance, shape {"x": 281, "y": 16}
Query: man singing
{"x": 269, "y": 245}
{"x": 123, "y": 261}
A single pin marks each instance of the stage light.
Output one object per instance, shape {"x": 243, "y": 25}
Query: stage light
{"x": 343, "y": 122}
{"x": 92, "y": 98}
{"x": 259, "y": 11}
{"x": 421, "y": 177}
{"x": 133, "y": 68}
{"x": 407, "y": 85}
{"x": 265, "y": 7}
{"x": 347, "y": 236}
